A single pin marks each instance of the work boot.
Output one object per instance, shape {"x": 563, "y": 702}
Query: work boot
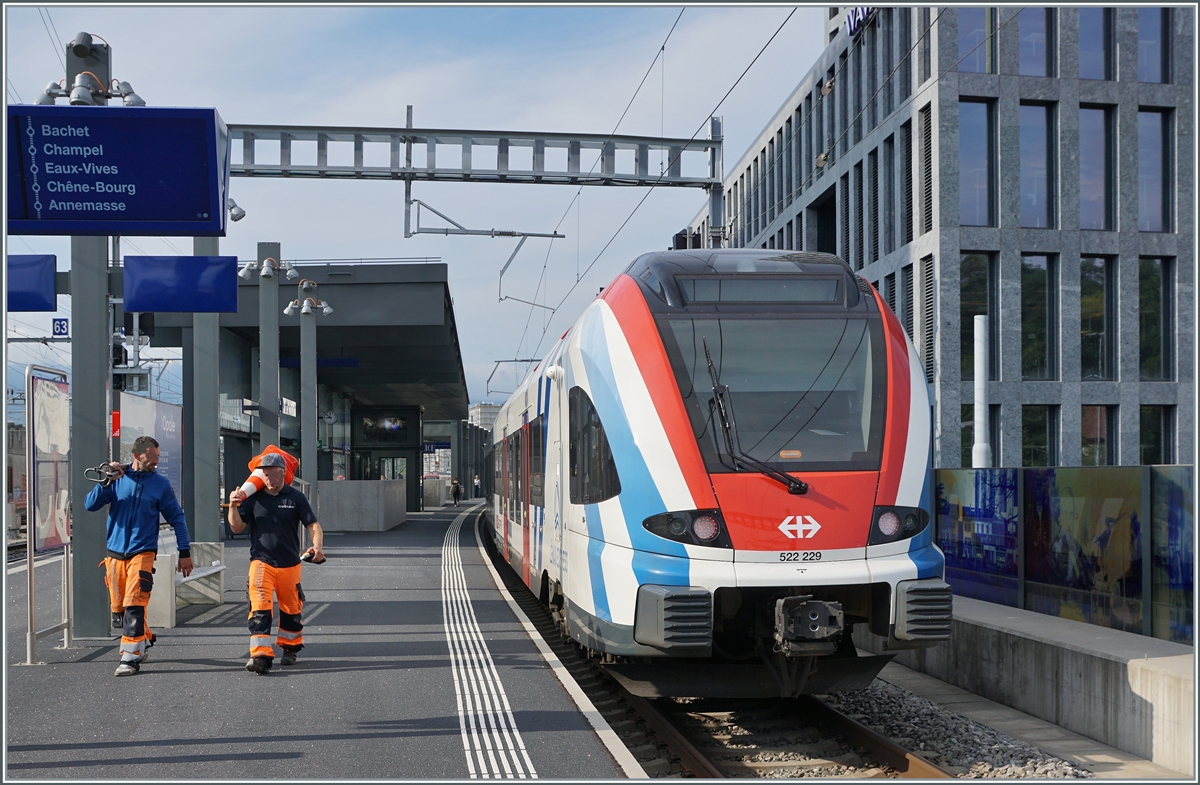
{"x": 288, "y": 658}
{"x": 127, "y": 669}
{"x": 259, "y": 665}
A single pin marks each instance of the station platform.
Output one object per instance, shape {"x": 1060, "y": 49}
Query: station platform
{"x": 414, "y": 667}
{"x": 1120, "y": 704}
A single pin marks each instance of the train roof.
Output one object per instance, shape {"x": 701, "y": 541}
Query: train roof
{"x": 669, "y": 276}
{"x": 701, "y": 261}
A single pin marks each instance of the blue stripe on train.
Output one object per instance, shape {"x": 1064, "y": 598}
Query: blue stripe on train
{"x": 929, "y": 560}
{"x": 639, "y": 495}
{"x": 595, "y": 547}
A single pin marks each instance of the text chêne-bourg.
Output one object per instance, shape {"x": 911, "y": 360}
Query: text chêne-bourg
{"x": 85, "y": 167}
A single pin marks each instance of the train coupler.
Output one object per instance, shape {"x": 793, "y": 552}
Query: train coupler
{"x": 807, "y": 627}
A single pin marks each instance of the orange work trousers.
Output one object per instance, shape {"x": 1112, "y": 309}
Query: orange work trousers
{"x": 129, "y": 582}
{"x": 267, "y": 582}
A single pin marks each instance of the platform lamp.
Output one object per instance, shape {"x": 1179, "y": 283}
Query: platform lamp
{"x": 308, "y": 307}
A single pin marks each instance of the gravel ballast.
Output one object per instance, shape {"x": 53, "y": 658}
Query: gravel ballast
{"x": 952, "y": 741}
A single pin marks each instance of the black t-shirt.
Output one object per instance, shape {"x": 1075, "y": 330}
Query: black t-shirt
{"x": 274, "y": 523}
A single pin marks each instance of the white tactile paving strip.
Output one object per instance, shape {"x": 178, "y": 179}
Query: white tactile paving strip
{"x": 491, "y": 741}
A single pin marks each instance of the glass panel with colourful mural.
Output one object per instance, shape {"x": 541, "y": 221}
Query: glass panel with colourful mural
{"x": 977, "y": 519}
{"x": 1172, "y": 534}
{"x": 1083, "y": 533}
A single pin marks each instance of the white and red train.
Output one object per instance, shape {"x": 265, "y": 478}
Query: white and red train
{"x": 727, "y": 459}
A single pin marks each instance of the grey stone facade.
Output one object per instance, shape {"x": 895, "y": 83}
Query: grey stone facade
{"x": 775, "y": 194}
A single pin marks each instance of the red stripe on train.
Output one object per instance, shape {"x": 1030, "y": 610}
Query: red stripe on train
{"x": 895, "y": 433}
{"x": 633, "y": 314}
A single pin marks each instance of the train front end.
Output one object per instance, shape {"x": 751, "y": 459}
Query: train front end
{"x": 768, "y": 423}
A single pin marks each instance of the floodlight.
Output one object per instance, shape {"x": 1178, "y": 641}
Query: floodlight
{"x": 291, "y": 271}
{"x": 290, "y": 310}
{"x": 235, "y": 213}
{"x": 306, "y": 309}
{"x": 246, "y": 272}
{"x": 130, "y": 98}
{"x": 326, "y": 308}
{"x": 827, "y": 87}
{"x": 267, "y": 270}
{"x": 81, "y": 95}
{"x": 48, "y": 95}
{"x": 82, "y": 45}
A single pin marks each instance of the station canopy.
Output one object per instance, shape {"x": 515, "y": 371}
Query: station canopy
{"x": 390, "y": 341}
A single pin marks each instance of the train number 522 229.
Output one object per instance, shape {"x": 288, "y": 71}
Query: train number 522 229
{"x": 799, "y": 556}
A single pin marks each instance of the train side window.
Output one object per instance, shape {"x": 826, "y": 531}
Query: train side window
{"x": 537, "y": 461}
{"x": 593, "y": 471}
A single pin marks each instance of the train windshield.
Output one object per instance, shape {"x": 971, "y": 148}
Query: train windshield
{"x": 807, "y": 394}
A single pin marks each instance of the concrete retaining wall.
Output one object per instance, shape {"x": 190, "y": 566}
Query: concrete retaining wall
{"x": 1124, "y": 690}
{"x": 361, "y": 505}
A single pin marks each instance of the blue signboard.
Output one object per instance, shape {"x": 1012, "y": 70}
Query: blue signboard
{"x": 180, "y": 284}
{"x": 62, "y": 328}
{"x": 107, "y": 170}
{"x": 31, "y": 282}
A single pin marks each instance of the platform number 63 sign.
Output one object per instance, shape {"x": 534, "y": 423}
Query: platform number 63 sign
{"x": 61, "y": 328}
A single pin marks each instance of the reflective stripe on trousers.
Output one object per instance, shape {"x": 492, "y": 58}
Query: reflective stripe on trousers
{"x": 266, "y": 584}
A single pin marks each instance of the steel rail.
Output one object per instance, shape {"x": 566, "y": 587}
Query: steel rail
{"x": 906, "y": 764}
{"x": 692, "y": 759}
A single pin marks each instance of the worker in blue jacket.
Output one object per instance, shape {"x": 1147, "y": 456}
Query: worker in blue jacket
{"x": 136, "y": 495}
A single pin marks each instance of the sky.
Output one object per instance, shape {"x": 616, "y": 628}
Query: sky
{"x": 565, "y": 69}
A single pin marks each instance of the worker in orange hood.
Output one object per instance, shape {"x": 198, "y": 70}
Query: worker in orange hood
{"x": 258, "y": 480}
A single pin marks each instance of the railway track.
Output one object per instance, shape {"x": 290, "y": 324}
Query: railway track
{"x": 717, "y": 739}
{"x": 16, "y": 551}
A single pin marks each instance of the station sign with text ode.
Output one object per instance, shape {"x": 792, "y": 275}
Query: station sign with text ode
{"x": 107, "y": 170}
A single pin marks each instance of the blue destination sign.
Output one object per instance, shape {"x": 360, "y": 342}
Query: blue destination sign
{"x": 106, "y": 170}
{"x": 180, "y": 284}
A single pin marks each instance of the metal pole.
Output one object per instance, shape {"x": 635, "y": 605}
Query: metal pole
{"x": 408, "y": 177}
{"x": 91, "y": 354}
{"x": 268, "y": 349}
{"x": 116, "y": 313}
{"x": 31, "y": 635}
{"x": 981, "y": 452}
{"x": 66, "y": 595}
{"x": 308, "y": 400}
{"x": 206, "y": 395}
{"x": 716, "y": 194}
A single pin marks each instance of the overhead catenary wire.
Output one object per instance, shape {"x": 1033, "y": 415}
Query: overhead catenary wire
{"x": 654, "y": 185}
{"x": 926, "y": 86}
{"x": 54, "y": 43}
{"x": 12, "y": 88}
{"x": 577, "y": 199}
{"x": 54, "y": 27}
{"x": 855, "y": 43}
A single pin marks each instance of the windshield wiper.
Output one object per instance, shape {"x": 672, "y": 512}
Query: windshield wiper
{"x": 724, "y": 412}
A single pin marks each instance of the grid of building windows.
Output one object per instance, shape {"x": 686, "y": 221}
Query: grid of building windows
{"x": 1085, "y": 316}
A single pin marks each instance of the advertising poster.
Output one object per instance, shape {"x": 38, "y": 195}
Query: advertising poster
{"x": 50, "y": 432}
{"x": 161, "y": 421}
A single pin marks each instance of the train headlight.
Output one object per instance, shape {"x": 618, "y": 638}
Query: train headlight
{"x": 896, "y": 523}
{"x": 693, "y": 527}
{"x": 706, "y": 528}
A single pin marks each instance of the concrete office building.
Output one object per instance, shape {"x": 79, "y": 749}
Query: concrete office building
{"x": 483, "y": 414}
{"x": 1031, "y": 164}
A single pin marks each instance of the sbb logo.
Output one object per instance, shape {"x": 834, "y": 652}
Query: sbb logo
{"x": 799, "y": 527}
